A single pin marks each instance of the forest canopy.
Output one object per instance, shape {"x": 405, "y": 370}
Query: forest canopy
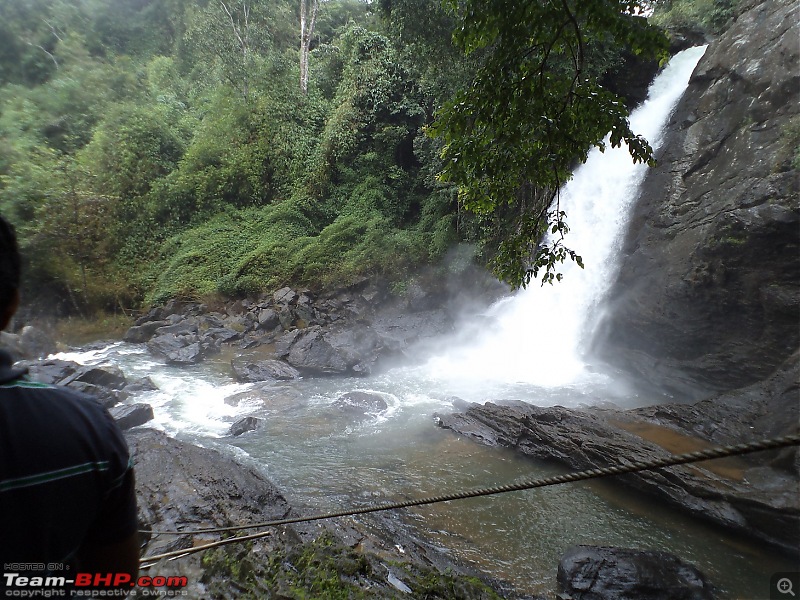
{"x": 157, "y": 149}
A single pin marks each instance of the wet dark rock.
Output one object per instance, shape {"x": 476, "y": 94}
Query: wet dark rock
{"x": 244, "y": 425}
{"x": 50, "y": 371}
{"x": 286, "y": 317}
{"x": 769, "y": 408}
{"x": 681, "y": 38}
{"x": 360, "y": 346}
{"x": 184, "y": 327}
{"x": 154, "y": 314}
{"x": 312, "y": 354}
{"x": 602, "y": 573}
{"x": 172, "y": 311}
{"x": 306, "y": 298}
{"x": 105, "y": 396}
{"x": 268, "y": 319}
{"x": 402, "y": 330}
{"x": 211, "y": 321}
{"x": 237, "y": 323}
{"x": 707, "y": 295}
{"x": 459, "y": 404}
{"x": 305, "y": 315}
{"x": 138, "y": 334}
{"x": 106, "y": 383}
{"x": 245, "y": 369}
{"x": 331, "y": 351}
{"x": 108, "y": 376}
{"x": 204, "y": 487}
{"x": 132, "y": 415}
{"x": 145, "y": 384}
{"x": 284, "y": 343}
{"x": 221, "y": 335}
{"x": 419, "y": 299}
{"x": 177, "y": 350}
{"x": 360, "y": 403}
{"x": 253, "y": 339}
{"x": 285, "y": 296}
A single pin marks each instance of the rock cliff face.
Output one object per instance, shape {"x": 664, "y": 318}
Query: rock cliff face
{"x": 708, "y": 295}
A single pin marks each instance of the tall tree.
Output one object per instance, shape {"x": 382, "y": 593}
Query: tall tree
{"x": 230, "y": 34}
{"x": 240, "y": 30}
{"x": 534, "y": 108}
{"x": 308, "y": 16}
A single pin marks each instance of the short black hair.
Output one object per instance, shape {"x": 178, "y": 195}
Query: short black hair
{"x": 9, "y": 264}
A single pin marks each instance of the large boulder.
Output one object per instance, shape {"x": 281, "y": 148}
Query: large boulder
{"x": 138, "y": 334}
{"x": 140, "y": 386}
{"x": 220, "y": 335}
{"x": 105, "y": 396}
{"x": 268, "y": 318}
{"x": 132, "y": 415}
{"x": 286, "y": 296}
{"x": 183, "y": 327}
{"x": 605, "y": 573}
{"x": 177, "y": 350}
{"x": 205, "y": 489}
{"x": 334, "y": 351}
{"x": 51, "y": 370}
{"x": 708, "y": 292}
{"x": 106, "y": 383}
{"x": 109, "y": 376}
{"x": 309, "y": 352}
{"x": 249, "y": 370}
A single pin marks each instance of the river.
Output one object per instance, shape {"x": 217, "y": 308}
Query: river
{"x": 327, "y": 460}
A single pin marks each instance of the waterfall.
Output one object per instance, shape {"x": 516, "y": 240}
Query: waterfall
{"x": 536, "y": 336}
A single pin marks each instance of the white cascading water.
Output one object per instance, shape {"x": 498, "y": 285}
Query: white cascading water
{"x": 538, "y": 334}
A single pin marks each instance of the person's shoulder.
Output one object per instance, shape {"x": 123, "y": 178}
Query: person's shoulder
{"x": 33, "y": 402}
{"x": 35, "y": 391}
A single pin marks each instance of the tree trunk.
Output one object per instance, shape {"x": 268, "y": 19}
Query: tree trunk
{"x": 306, "y": 31}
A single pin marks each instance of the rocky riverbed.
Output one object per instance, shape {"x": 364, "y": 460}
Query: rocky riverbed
{"x": 757, "y": 495}
{"x": 182, "y": 486}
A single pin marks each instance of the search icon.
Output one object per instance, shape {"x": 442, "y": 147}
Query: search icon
{"x": 784, "y": 586}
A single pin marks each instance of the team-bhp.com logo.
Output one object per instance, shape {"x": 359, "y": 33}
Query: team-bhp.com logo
{"x": 92, "y": 585}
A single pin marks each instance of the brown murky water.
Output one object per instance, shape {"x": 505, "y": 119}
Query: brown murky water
{"x": 678, "y": 443}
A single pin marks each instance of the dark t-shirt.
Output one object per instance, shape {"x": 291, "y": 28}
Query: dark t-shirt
{"x": 65, "y": 473}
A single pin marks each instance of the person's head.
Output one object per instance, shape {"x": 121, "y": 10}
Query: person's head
{"x": 9, "y": 272}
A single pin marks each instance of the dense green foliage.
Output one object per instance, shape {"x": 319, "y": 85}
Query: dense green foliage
{"x": 154, "y": 149}
{"x": 533, "y": 108}
{"x": 705, "y": 15}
